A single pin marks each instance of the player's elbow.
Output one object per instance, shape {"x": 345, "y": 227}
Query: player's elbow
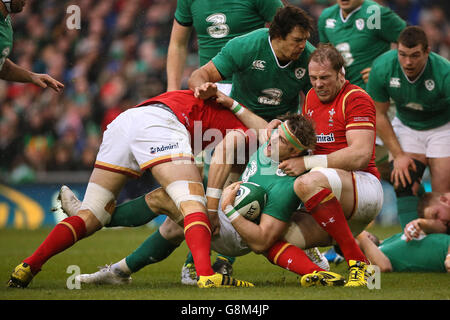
{"x": 385, "y": 267}
{"x": 361, "y": 159}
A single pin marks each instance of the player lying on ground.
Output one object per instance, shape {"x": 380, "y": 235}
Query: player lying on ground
{"x": 157, "y": 135}
{"x": 281, "y": 203}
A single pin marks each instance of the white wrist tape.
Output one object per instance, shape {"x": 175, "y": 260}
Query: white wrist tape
{"x": 315, "y": 161}
{"x": 214, "y": 193}
{"x": 231, "y": 212}
{"x": 237, "y": 108}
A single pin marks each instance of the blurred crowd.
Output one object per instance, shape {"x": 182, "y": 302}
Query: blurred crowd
{"x": 116, "y": 59}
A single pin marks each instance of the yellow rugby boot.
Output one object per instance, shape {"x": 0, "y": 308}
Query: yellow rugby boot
{"x": 324, "y": 278}
{"x": 218, "y": 280}
{"x": 357, "y": 275}
{"x": 21, "y": 276}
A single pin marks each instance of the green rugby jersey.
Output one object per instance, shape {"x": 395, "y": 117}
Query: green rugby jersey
{"x": 421, "y": 104}
{"x": 426, "y": 255}
{"x": 281, "y": 198}
{"x": 366, "y": 33}
{"x": 218, "y": 21}
{"x": 259, "y": 81}
{"x": 6, "y": 39}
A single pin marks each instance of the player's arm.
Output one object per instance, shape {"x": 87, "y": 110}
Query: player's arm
{"x": 418, "y": 227}
{"x": 402, "y": 162}
{"x": 355, "y": 156}
{"x": 176, "y": 55}
{"x": 259, "y": 237}
{"x": 373, "y": 253}
{"x": 202, "y": 81}
{"x": 12, "y": 72}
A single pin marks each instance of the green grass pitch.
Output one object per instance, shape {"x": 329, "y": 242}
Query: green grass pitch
{"x": 161, "y": 281}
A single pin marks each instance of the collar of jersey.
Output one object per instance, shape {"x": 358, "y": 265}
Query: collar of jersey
{"x": 349, "y": 15}
{"x": 275, "y": 56}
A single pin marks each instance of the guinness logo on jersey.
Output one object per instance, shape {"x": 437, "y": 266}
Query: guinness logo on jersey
{"x": 300, "y": 73}
{"x": 429, "y": 84}
{"x": 325, "y": 138}
{"x": 259, "y": 65}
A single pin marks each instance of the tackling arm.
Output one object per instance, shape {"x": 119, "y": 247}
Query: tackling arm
{"x": 373, "y": 253}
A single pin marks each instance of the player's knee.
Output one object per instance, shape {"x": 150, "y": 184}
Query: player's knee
{"x": 308, "y": 184}
{"x": 187, "y": 195}
{"x": 416, "y": 177}
{"x": 100, "y": 202}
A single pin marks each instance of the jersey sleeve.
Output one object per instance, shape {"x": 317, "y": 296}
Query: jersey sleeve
{"x": 230, "y": 58}
{"x": 183, "y": 13}
{"x": 359, "y": 111}
{"x": 375, "y": 86}
{"x": 390, "y": 25}
{"x": 282, "y": 201}
{"x": 268, "y": 8}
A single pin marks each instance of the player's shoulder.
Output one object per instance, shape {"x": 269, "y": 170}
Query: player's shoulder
{"x": 250, "y": 41}
{"x": 386, "y": 60}
{"x": 353, "y": 92}
{"x": 329, "y": 12}
{"x": 439, "y": 63}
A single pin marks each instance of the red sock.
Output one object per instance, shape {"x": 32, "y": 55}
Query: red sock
{"x": 63, "y": 236}
{"x": 328, "y": 213}
{"x": 291, "y": 258}
{"x": 197, "y": 232}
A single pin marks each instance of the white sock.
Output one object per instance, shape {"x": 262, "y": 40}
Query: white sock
{"x": 121, "y": 268}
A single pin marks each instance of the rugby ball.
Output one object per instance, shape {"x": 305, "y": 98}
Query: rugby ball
{"x": 250, "y": 200}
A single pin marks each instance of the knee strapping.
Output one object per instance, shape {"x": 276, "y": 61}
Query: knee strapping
{"x": 333, "y": 179}
{"x": 183, "y": 190}
{"x": 100, "y": 201}
{"x": 416, "y": 176}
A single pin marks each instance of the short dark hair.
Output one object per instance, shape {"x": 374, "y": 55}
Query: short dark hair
{"x": 427, "y": 199}
{"x": 327, "y": 52}
{"x": 302, "y": 127}
{"x": 412, "y": 36}
{"x": 286, "y": 19}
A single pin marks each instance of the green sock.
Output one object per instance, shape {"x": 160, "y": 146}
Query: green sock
{"x": 154, "y": 249}
{"x": 407, "y": 209}
{"x": 230, "y": 259}
{"x": 189, "y": 258}
{"x": 132, "y": 213}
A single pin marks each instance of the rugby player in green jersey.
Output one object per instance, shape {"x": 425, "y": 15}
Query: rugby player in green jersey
{"x": 361, "y": 30}
{"x": 215, "y": 23}
{"x": 418, "y": 81}
{"x": 10, "y": 71}
{"x": 268, "y": 67}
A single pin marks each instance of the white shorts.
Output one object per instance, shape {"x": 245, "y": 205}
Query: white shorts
{"x": 369, "y": 201}
{"x": 228, "y": 242}
{"x": 140, "y": 138}
{"x": 433, "y": 143}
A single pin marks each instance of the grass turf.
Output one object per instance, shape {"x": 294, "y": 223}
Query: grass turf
{"x": 161, "y": 281}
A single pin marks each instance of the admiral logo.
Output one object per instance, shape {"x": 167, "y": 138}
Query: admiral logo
{"x": 259, "y": 65}
{"x": 162, "y": 148}
{"x": 325, "y": 138}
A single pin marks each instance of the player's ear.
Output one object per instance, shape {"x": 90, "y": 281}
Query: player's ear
{"x": 444, "y": 200}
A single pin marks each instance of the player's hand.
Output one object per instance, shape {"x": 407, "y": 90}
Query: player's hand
{"x": 413, "y": 230}
{"x": 215, "y": 223}
{"x": 44, "y": 81}
{"x": 400, "y": 172}
{"x": 365, "y": 74}
{"x": 224, "y": 100}
{"x": 229, "y": 194}
{"x": 206, "y": 91}
{"x": 293, "y": 166}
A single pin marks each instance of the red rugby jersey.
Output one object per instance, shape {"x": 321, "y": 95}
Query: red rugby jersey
{"x": 351, "y": 109}
{"x": 198, "y": 116}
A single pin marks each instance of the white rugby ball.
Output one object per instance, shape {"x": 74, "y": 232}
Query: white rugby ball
{"x": 250, "y": 200}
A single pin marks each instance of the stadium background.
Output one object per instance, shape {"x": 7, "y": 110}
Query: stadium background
{"x": 115, "y": 59}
